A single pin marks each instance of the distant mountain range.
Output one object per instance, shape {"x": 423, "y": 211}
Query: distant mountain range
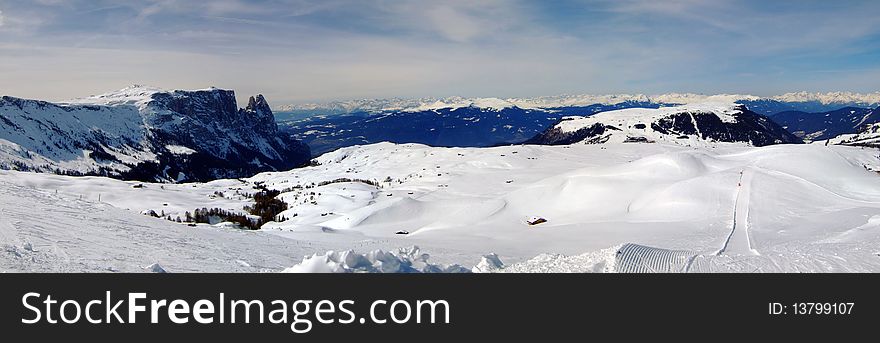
{"x": 475, "y": 122}
{"x": 798, "y": 101}
{"x": 147, "y": 134}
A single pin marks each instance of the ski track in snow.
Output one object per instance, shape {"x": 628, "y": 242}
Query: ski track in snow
{"x": 739, "y": 240}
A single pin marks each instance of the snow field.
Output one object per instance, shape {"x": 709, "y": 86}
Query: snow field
{"x": 808, "y": 208}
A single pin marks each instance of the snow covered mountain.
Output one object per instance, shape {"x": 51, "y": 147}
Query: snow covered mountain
{"x": 866, "y": 99}
{"x": 147, "y": 134}
{"x": 694, "y": 124}
{"x": 825, "y": 125}
{"x": 868, "y": 136}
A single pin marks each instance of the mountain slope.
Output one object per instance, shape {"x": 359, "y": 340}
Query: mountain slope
{"x": 147, "y": 134}
{"x": 825, "y": 125}
{"x": 695, "y": 124}
{"x": 868, "y": 136}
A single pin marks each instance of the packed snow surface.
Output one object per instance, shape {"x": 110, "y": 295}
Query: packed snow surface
{"x": 781, "y": 208}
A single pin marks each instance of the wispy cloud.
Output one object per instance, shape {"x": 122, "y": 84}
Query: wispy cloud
{"x": 757, "y": 26}
{"x": 304, "y": 50}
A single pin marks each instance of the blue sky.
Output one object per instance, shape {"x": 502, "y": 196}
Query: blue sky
{"x": 297, "y": 51}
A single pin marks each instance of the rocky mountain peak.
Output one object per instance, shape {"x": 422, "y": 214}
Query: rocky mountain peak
{"x": 259, "y": 105}
{"x": 149, "y": 135}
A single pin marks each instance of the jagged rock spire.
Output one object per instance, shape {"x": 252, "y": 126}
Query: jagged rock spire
{"x": 258, "y": 104}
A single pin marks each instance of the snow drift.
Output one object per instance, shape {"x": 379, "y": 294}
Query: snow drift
{"x": 407, "y": 260}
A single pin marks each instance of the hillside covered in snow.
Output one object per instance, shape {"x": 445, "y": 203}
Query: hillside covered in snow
{"x": 567, "y": 208}
{"x": 868, "y": 136}
{"x": 689, "y": 125}
{"x": 146, "y": 134}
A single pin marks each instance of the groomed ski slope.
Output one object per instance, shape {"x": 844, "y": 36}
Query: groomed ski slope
{"x": 796, "y": 208}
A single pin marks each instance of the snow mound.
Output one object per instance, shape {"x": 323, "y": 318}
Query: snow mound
{"x": 488, "y": 264}
{"x": 406, "y": 260}
{"x": 155, "y": 268}
{"x": 601, "y": 261}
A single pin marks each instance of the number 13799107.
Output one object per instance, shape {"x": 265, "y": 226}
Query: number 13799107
{"x": 808, "y": 308}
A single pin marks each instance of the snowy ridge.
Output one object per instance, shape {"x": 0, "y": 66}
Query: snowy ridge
{"x": 368, "y": 105}
{"x": 689, "y": 98}
{"x": 493, "y": 104}
{"x": 697, "y": 124}
{"x": 542, "y": 102}
{"x": 400, "y": 104}
{"x": 576, "y": 100}
{"x": 138, "y": 95}
{"x": 866, "y": 99}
